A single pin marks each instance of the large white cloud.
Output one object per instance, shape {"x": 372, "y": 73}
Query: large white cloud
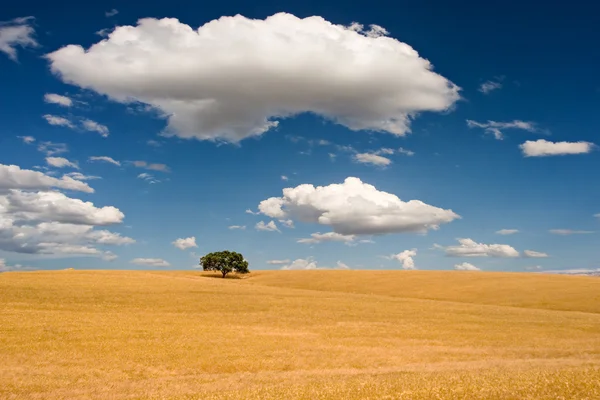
{"x": 55, "y": 206}
{"x": 17, "y": 32}
{"x": 355, "y": 208}
{"x": 233, "y": 77}
{"x": 470, "y": 248}
{"x": 13, "y": 177}
{"x": 544, "y": 148}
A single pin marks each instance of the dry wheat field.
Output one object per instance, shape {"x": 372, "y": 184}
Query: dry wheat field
{"x": 299, "y": 335}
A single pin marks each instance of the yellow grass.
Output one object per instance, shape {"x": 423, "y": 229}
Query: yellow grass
{"x": 298, "y": 335}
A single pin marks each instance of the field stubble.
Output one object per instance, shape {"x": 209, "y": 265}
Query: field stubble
{"x": 299, "y": 334}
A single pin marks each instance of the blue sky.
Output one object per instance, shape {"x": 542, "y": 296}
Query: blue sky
{"x": 498, "y": 132}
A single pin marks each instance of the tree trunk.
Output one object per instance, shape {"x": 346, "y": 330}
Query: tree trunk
{"x": 224, "y": 273}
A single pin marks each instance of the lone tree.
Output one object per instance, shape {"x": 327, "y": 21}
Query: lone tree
{"x": 225, "y": 262}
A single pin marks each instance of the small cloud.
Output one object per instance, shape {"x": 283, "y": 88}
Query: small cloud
{"x": 152, "y": 167}
{"x": 491, "y": 85}
{"x": 284, "y": 178}
{"x": 249, "y": 211}
{"x": 54, "y": 98}
{"x": 466, "y": 267}
{"x": 60, "y": 162}
{"x": 271, "y": 226}
{"x": 81, "y": 177}
{"x": 16, "y": 32}
{"x": 278, "y": 262}
{"x": 372, "y": 159}
{"x": 507, "y": 231}
{"x": 51, "y": 148}
{"x": 187, "y": 243}
{"x": 104, "y": 159}
{"x": 58, "y": 121}
{"x": 93, "y": 126}
{"x": 534, "y": 254}
{"x": 239, "y": 227}
{"x": 151, "y": 262}
{"x": 148, "y": 178}
{"x": 27, "y": 139}
{"x": 111, "y": 13}
{"x": 154, "y": 143}
{"x": 327, "y": 237}
{"x": 470, "y": 248}
{"x": 568, "y": 232}
{"x": 544, "y": 148}
{"x": 406, "y": 152}
{"x": 300, "y": 264}
{"x": 405, "y": 257}
{"x": 288, "y": 223}
{"x": 495, "y": 128}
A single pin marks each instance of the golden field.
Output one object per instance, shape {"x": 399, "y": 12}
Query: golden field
{"x": 299, "y": 335}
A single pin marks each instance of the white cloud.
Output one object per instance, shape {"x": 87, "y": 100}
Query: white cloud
{"x": 151, "y": 166}
{"x": 355, "y": 208}
{"x": 341, "y": 265}
{"x": 105, "y": 159}
{"x": 284, "y": 178}
{"x": 187, "y": 243}
{"x": 466, "y": 267}
{"x": 60, "y": 162}
{"x": 534, "y": 254}
{"x": 148, "y": 178}
{"x": 288, "y": 223}
{"x": 51, "y": 148}
{"x": 507, "y": 231}
{"x": 240, "y": 227}
{"x": 568, "y": 232}
{"x": 53, "y": 224}
{"x": 544, "y": 148}
{"x": 327, "y": 237}
{"x": 406, "y": 258}
{"x": 55, "y": 206}
{"x": 111, "y": 13}
{"x": 58, "y": 121}
{"x": 470, "y": 248}
{"x": 278, "y": 262}
{"x": 17, "y": 32}
{"x": 151, "y": 262}
{"x": 271, "y": 226}
{"x": 489, "y": 86}
{"x": 274, "y": 68}
{"x": 372, "y": 158}
{"x": 93, "y": 126}
{"x": 13, "y": 177}
{"x": 406, "y": 152}
{"x": 27, "y": 139}
{"x": 249, "y": 211}
{"x": 495, "y": 128}
{"x": 54, "y": 98}
{"x": 301, "y": 263}
{"x": 107, "y": 237}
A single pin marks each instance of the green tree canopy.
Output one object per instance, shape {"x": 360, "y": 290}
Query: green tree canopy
{"x": 224, "y": 262}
